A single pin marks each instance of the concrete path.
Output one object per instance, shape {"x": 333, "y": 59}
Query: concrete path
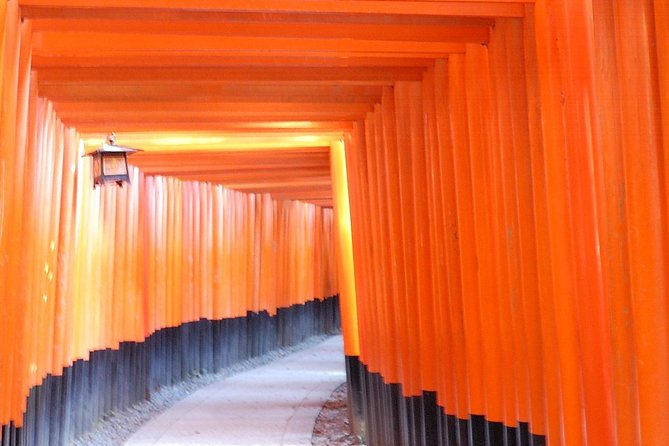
{"x": 275, "y": 404}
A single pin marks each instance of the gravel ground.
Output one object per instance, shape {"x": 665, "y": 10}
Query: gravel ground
{"x": 332, "y": 425}
{"x": 117, "y": 427}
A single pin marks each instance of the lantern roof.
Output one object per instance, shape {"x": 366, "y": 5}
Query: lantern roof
{"x": 105, "y": 147}
{"x": 109, "y": 146}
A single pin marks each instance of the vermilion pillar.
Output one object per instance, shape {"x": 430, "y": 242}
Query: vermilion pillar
{"x": 344, "y": 249}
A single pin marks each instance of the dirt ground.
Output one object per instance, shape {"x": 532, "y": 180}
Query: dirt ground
{"x": 332, "y": 425}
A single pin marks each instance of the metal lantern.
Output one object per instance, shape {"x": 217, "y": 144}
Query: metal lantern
{"x": 110, "y": 163}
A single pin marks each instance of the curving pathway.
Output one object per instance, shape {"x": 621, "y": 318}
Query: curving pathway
{"x": 275, "y": 404}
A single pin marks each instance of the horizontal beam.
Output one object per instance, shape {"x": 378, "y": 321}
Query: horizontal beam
{"x": 297, "y": 152}
{"x": 324, "y": 203}
{"x": 264, "y": 163}
{"x": 471, "y": 8}
{"x": 302, "y": 189}
{"x": 200, "y": 93}
{"x": 299, "y": 189}
{"x": 214, "y": 108}
{"x": 131, "y": 122}
{"x": 207, "y": 141}
{"x": 253, "y": 182}
{"x": 111, "y": 44}
{"x": 316, "y": 29}
{"x": 379, "y": 75}
{"x": 268, "y": 84}
{"x": 44, "y": 16}
{"x": 111, "y": 115}
{"x": 277, "y": 128}
{"x": 235, "y": 169}
{"x": 256, "y": 162}
{"x": 242, "y": 176}
{"x": 228, "y": 60}
{"x": 304, "y": 195}
{"x": 272, "y": 145}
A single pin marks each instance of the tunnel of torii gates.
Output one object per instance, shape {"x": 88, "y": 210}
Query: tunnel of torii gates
{"x": 478, "y": 190}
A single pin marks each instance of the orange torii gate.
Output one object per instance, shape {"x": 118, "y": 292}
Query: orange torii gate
{"x": 498, "y": 174}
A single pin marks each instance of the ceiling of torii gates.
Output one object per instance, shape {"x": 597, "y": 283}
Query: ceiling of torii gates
{"x": 245, "y": 93}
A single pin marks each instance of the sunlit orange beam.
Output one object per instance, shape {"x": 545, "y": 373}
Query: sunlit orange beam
{"x": 308, "y": 168}
{"x": 254, "y": 182}
{"x": 98, "y": 128}
{"x": 308, "y": 163}
{"x": 202, "y": 118}
{"x": 301, "y": 195}
{"x": 315, "y": 29}
{"x": 118, "y": 113}
{"x": 228, "y": 60}
{"x": 260, "y": 176}
{"x": 231, "y": 167}
{"x": 317, "y": 188}
{"x": 224, "y": 75}
{"x": 234, "y": 164}
{"x": 304, "y": 192}
{"x": 321, "y": 203}
{"x": 312, "y": 163}
{"x": 129, "y": 122}
{"x": 188, "y": 92}
{"x": 475, "y": 8}
{"x": 295, "y": 194}
{"x": 257, "y": 144}
{"x": 280, "y": 128}
{"x": 238, "y": 126}
{"x": 319, "y": 183}
{"x": 170, "y": 16}
{"x": 114, "y": 44}
{"x": 193, "y": 95}
{"x": 296, "y": 152}
{"x": 212, "y": 107}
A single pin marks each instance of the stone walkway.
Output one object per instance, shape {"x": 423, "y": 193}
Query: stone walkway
{"x": 275, "y": 404}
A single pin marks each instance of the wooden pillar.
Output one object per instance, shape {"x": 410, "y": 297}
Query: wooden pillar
{"x": 345, "y": 267}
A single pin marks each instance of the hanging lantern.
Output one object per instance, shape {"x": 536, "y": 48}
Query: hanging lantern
{"x": 110, "y": 163}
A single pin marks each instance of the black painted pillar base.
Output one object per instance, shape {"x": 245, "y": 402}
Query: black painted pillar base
{"x": 386, "y": 417}
{"x": 355, "y": 395}
{"x": 64, "y": 407}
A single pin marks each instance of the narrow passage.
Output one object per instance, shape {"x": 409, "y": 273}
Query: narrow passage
{"x": 275, "y": 404}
